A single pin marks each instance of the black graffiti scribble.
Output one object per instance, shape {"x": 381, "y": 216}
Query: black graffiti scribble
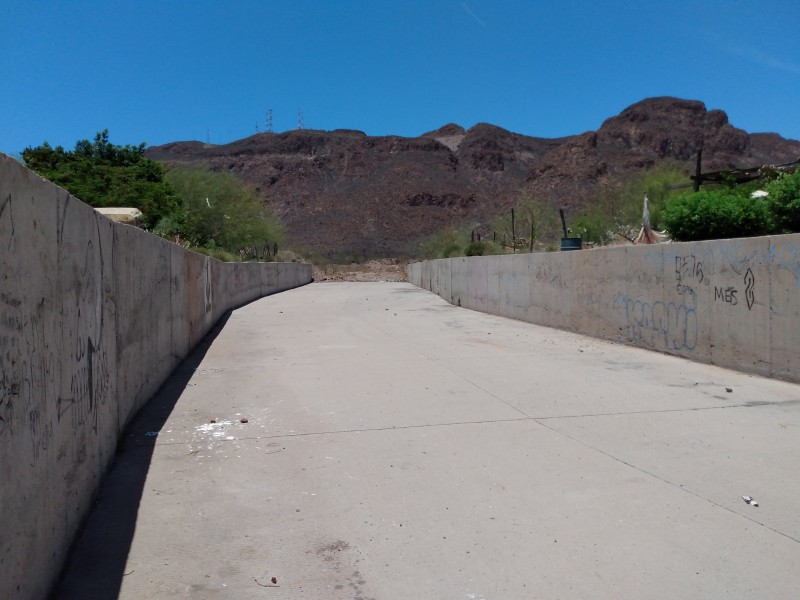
{"x": 749, "y": 292}
{"x": 62, "y": 405}
{"x": 7, "y": 203}
{"x": 688, "y": 267}
{"x": 726, "y": 295}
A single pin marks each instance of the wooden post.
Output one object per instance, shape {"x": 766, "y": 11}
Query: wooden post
{"x": 513, "y": 233}
{"x": 698, "y": 169}
{"x": 531, "y": 244}
{"x": 563, "y": 221}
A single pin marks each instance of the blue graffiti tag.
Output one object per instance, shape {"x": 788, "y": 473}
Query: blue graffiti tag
{"x": 660, "y": 324}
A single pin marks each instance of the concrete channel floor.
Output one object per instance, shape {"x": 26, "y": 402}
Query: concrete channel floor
{"x": 399, "y": 447}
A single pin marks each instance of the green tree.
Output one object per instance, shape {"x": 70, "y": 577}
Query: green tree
{"x": 618, "y": 209}
{"x": 784, "y": 202}
{"x": 593, "y": 227}
{"x": 219, "y": 212}
{"x": 103, "y": 175}
{"x": 716, "y": 214}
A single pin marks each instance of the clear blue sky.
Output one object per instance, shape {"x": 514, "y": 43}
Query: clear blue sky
{"x": 161, "y": 71}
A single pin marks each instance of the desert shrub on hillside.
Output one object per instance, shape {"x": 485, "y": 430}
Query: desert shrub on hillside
{"x": 534, "y": 220}
{"x": 445, "y": 244}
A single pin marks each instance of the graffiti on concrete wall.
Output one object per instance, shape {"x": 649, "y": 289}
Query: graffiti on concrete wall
{"x": 9, "y": 306}
{"x": 787, "y": 260}
{"x": 28, "y": 366}
{"x": 673, "y": 325}
{"x": 659, "y": 324}
{"x": 730, "y": 294}
{"x": 689, "y": 274}
{"x": 87, "y": 368}
{"x": 9, "y": 383}
{"x": 89, "y": 385}
{"x": 749, "y": 281}
{"x": 592, "y": 299}
{"x": 550, "y": 273}
{"x": 726, "y": 294}
{"x": 8, "y": 391}
{"x": 7, "y": 208}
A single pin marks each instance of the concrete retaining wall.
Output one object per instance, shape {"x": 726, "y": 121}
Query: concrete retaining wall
{"x": 733, "y": 303}
{"x": 93, "y": 318}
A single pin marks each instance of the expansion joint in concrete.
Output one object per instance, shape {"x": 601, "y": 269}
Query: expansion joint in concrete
{"x": 677, "y": 486}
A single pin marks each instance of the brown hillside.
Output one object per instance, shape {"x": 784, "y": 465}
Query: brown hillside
{"x": 342, "y": 192}
{"x": 643, "y": 135}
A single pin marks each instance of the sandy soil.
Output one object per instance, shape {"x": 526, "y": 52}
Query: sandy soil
{"x": 385, "y": 269}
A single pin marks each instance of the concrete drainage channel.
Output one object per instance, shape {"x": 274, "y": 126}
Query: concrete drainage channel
{"x": 428, "y": 451}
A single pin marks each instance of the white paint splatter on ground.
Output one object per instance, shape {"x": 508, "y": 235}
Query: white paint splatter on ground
{"x": 216, "y": 430}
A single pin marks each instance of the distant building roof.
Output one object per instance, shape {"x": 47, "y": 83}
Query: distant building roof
{"x": 128, "y": 216}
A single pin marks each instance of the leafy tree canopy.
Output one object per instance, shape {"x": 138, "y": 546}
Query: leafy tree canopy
{"x": 219, "y": 212}
{"x": 617, "y": 211}
{"x": 103, "y": 174}
{"x": 734, "y": 211}
{"x": 716, "y": 214}
{"x": 784, "y": 202}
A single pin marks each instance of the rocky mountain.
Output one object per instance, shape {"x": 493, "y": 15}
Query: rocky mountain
{"x": 641, "y": 136}
{"x": 345, "y": 193}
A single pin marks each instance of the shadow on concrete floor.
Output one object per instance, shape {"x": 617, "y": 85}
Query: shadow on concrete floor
{"x": 96, "y": 562}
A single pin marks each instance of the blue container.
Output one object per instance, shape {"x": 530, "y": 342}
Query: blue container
{"x": 574, "y": 243}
